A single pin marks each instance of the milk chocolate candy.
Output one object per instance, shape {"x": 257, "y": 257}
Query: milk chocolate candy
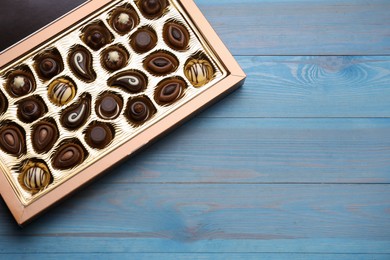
{"x": 139, "y": 110}
{"x": 176, "y": 36}
{"x": 3, "y": 103}
{"x": 12, "y": 139}
{"x": 152, "y": 9}
{"x": 68, "y": 155}
{"x": 48, "y": 65}
{"x": 44, "y": 135}
{"x": 99, "y": 135}
{"x": 143, "y": 40}
{"x": 169, "y": 90}
{"x": 20, "y": 83}
{"x": 161, "y": 63}
{"x": 96, "y": 36}
{"x": 109, "y": 106}
{"x": 123, "y": 20}
{"x": 114, "y": 58}
{"x": 31, "y": 109}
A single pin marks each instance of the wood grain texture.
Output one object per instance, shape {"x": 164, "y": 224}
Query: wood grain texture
{"x": 301, "y": 27}
{"x": 310, "y": 86}
{"x": 238, "y": 218}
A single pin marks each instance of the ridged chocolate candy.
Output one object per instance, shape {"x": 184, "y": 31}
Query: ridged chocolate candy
{"x": 139, "y": 109}
{"x": 80, "y": 62}
{"x": 114, "y": 58}
{"x": 129, "y": 81}
{"x": 12, "y": 140}
{"x": 152, "y": 8}
{"x": 161, "y": 63}
{"x": 123, "y": 20}
{"x": 30, "y": 109}
{"x": 143, "y": 40}
{"x": 169, "y": 91}
{"x": 98, "y": 135}
{"x": 109, "y": 106}
{"x": 68, "y": 155}
{"x": 20, "y": 83}
{"x": 176, "y": 36}
{"x": 96, "y": 36}
{"x": 76, "y": 115}
{"x": 61, "y": 91}
{"x": 199, "y": 72}
{"x": 36, "y": 177}
{"x": 44, "y": 135}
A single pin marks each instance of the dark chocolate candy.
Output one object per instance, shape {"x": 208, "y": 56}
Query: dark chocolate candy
{"x": 3, "y": 103}
{"x": 129, "y": 81}
{"x": 49, "y": 65}
{"x": 68, "y": 155}
{"x": 170, "y": 90}
{"x": 61, "y": 91}
{"x": 161, "y": 63}
{"x": 176, "y": 36}
{"x": 36, "y": 177}
{"x": 139, "y": 109}
{"x": 96, "y": 36}
{"x": 76, "y": 115}
{"x": 12, "y": 140}
{"x": 80, "y": 62}
{"x": 152, "y": 8}
{"x": 98, "y": 135}
{"x": 30, "y": 109}
{"x": 20, "y": 83}
{"x": 114, "y": 58}
{"x": 143, "y": 40}
{"x": 123, "y": 20}
{"x": 109, "y": 106}
{"x": 44, "y": 136}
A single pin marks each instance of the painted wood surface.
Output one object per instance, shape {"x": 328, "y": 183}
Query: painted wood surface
{"x": 294, "y": 165}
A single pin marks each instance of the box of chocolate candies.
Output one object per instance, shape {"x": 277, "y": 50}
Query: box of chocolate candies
{"x": 96, "y": 85}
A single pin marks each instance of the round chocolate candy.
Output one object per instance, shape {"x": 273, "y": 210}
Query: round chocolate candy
{"x": 139, "y": 109}
{"x": 129, "y": 81}
{"x": 30, "y": 109}
{"x": 96, "y": 36}
{"x": 80, "y": 62}
{"x": 161, "y": 63}
{"x": 176, "y": 36}
{"x": 49, "y": 65}
{"x": 114, "y": 58}
{"x": 170, "y": 90}
{"x": 76, "y": 115}
{"x": 99, "y": 135}
{"x": 20, "y": 83}
{"x": 68, "y": 155}
{"x": 12, "y": 140}
{"x": 44, "y": 136}
{"x": 61, "y": 91}
{"x": 199, "y": 72}
{"x": 123, "y": 20}
{"x": 3, "y": 103}
{"x": 36, "y": 177}
{"x": 152, "y": 8}
{"x": 109, "y": 106}
{"x": 143, "y": 40}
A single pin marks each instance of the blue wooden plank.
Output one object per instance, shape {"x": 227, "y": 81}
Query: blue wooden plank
{"x": 123, "y": 218}
{"x": 301, "y": 27}
{"x": 314, "y": 86}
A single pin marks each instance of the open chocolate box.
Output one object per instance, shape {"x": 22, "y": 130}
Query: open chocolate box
{"x": 95, "y": 86}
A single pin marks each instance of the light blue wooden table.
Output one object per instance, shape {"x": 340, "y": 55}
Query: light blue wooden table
{"x": 294, "y": 165}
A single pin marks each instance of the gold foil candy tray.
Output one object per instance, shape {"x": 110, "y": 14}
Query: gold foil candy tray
{"x": 88, "y": 93}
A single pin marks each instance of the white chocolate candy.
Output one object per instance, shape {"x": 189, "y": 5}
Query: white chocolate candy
{"x": 61, "y": 91}
{"x": 36, "y": 178}
{"x": 199, "y": 72}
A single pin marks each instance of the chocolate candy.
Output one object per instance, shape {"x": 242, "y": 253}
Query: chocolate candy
{"x": 161, "y": 63}
{"x": 170, "y": 90}
{"x": 96, "y": 36}
{"x": 49, "y": 65}
{"x": 76, "y": 115}
{"x": 139, "y": 109}
{"x": 114, "y": 58}
{"x": 80, "y": 62}
{"x": 143, "y": 40}
{"x": 130, "y": 81}
{"x": 199, "y": 72}
{"x": 99, "y": 135}
{"x": 3, "y": 103}
{"x": 176, "y": 36}
{"x": 68, "y": 155}
{"x": 30, "y": 109}
{"x": 20, "y": 83}
{"x": 12, "y": 140}
{"x": 36, "y": 176}
{"x": 44, "y": 136}
{"x": 109, "y": 106}
{"x": 152, "y": 8}
{"x": 61, "y": 91}
{"x": 123, "y": 20}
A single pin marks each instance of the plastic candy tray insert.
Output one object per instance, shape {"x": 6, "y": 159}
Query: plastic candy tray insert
{"x": 95, "y": 86}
